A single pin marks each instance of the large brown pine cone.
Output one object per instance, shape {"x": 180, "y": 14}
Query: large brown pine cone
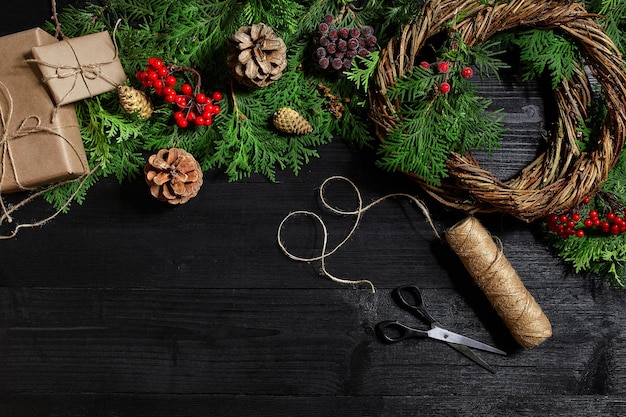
{"x": 256, "y": 55}
{"x": 174, "y": 175}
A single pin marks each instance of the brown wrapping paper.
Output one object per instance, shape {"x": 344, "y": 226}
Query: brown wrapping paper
{"x": 79, "y": 68}
{"x": 35, "y": 147}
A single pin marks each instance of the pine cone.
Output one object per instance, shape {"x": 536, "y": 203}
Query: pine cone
{"x": 256, "y": 55}
{"x": 290, "y": 121}
{"x": 133, "y": 100}
{"x": 174, "y": 176}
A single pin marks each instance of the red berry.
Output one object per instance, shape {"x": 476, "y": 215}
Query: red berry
{"x": 158, "y": 84}
{"x": 217, "y": 96}
{"x": 586, "y": 200}
{"x": 199, "y": 121}
{"x": 467, "y": 72}
{"x": 610, "y": 216}
{"x": 588, "y": 222}
{"x": 157, "y": 63}
{"x": 593, "y": 213}
{"x": 575, "y": 217}
{"x": 208, "y": 121}
{"x": 186, "y": 89}
{"x": 443, "y": 67}
{"x": 191, "y": 116}
{"x": 170, "y": 81}
{"x": 163, "y": 71}
{"x": 201, "y": 98}
{"x": 424, "y": 64}
{"x": 170, "y": 98}
{"x": 580, "y": 233}
{"x": 182, "y": 122}
{"x": 217, "y": 109}
{"x": 615, "y": 229}
{"x": 444, "y": 88}
{"x": 139, "y": 75}
{"x": 179, "y": 115}
{"x": 181, "y": 101}
{"x": 563, "y": 218}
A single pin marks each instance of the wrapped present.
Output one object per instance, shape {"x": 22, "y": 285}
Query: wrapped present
{"x": 79, "y": 68}
{"x": 35, "y": 148}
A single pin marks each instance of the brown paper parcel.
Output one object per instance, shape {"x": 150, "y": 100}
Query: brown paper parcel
{"x": 79, "y": 68}
{"x": 35, "y": 148}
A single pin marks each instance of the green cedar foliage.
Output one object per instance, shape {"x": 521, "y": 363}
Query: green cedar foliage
{"x": 432, "y": 124}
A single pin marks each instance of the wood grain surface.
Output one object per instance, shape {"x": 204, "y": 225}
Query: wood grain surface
{"x": 126, "y": 307}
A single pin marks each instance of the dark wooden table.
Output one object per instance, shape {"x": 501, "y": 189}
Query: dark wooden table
{"x": 125, "y": 307}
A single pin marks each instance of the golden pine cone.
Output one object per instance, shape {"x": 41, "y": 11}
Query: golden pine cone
{"x": 174, "y": 175}
{"x": 256, "y": 55}
{"x": 133, "y": 101}
{"x": 290, "y": 121}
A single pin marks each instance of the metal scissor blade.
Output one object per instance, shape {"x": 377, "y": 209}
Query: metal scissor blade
{"x": 451, "y": 337}
{"x": 468, "y": 353}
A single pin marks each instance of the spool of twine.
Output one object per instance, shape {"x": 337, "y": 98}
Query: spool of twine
{"x": 495, "y": 276}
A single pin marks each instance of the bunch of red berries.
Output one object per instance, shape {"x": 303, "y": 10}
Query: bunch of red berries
{"x": 577, "y": 223}
{"x": 443, "y": 67}
{"x": 339, "y": 46}
{"x": 194, "y": 107}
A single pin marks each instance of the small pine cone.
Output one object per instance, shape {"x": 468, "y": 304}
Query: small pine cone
{"x": 290, "y": 121}
{"x": 174, "y": 175}
{"x": 133, "y": 101}
{"x": 256, "y": 55}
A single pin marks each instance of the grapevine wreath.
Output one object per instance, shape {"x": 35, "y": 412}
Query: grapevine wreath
{"x": 261, "y": 84}
{"x": 562, "y": 176}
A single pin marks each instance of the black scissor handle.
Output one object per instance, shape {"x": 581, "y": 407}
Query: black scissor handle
{"x": 392, "y": 331}
{"x": 409, "y": 297}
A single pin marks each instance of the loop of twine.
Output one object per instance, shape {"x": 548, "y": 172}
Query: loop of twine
{"x": 494, "y": 274}
{"x": 358, "y": 213}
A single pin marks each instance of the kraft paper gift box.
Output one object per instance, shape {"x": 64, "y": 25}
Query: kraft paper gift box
{"x": 39, "y": 143}
{"x": 78, "y": 68}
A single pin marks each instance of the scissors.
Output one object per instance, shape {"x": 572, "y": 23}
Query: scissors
{"x": 409, "y": 298}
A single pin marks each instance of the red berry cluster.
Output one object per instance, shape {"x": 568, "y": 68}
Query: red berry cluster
{"x": 339, "y": 46}
{"x": 576, "y": 222}
{"x": 194, "y": 107}
{"x": 443, "y": 67}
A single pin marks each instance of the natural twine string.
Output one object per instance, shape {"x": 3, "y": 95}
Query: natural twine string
{"x": 358, "y": 213}
{"x": 495, "y": 276}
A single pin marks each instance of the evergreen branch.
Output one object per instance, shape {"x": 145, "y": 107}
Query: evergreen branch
{"x": 363, "y": 69}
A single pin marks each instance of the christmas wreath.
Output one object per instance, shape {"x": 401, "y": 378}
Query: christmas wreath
{"x": 564, "y": 174}
{"x": 256, "y": 86}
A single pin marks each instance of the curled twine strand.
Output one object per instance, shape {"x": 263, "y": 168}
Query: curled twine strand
{"x": 90, "y": 71}
{"x": 6, "y": 138}
{"x": 358, "y": 213}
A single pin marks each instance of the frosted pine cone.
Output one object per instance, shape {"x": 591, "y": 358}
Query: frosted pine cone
{"x": 290, "y": 121}
{"x": 256, "y": 55}
{"x": 133, "y": 100}
{"x": 174, "y": 176}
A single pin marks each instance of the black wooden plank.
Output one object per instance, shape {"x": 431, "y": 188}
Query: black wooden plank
{"x": 485, "y": 404}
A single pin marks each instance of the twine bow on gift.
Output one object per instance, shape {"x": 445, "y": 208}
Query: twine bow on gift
{"x": 29, "y": 125}
{"x": 80, "y": 71}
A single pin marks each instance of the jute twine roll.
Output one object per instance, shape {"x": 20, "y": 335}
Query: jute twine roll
{"x": 495, "y": 276}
